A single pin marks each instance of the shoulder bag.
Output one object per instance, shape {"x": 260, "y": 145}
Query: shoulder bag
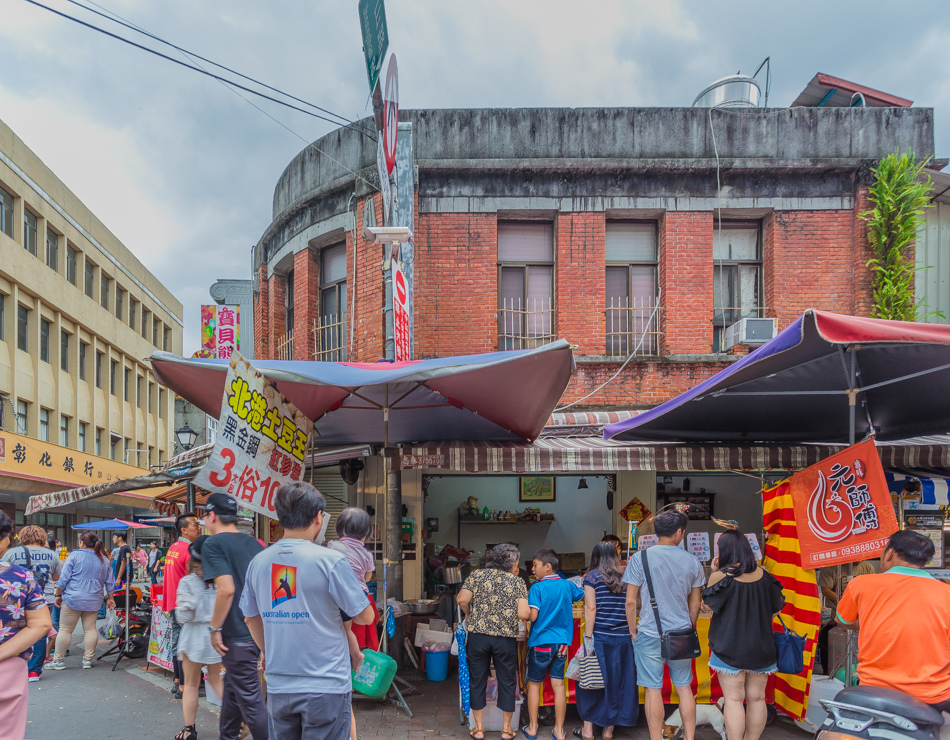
{"x": 674, "y": 644}
{"x": 789, "y": 650}
{"x": 591, "y": 677}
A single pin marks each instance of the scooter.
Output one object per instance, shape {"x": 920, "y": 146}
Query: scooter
{"x": 876, "y": 713}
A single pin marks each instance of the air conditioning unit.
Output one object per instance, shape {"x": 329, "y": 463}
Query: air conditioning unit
{"x": 749, "y": 331}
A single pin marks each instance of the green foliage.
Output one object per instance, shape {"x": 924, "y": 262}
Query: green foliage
{"x": 900, "y": 193}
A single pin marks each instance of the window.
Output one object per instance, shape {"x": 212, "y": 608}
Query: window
{"x": 133, "y": 304}
{"x": 119, "y": 302}
{"x": 332, "y": 346}
{"x": 64, "y": 351}
{"x": 166, "y": 341}
{"x": 112, "y": 373}
{"x": 127, "y": 449}
{"x": 525, "y": 284}
{"x": 144, "y": 323}
{"x": 126, "y": 384}
{"x": 104, "y": 290}
{"x": 138, "y": 391}
{"x": 3, "y": 314}
{"x": 631, "y": 288}
{"x": 21, "y": 416}
{"x": 72, "y": 258}
{"x": 22, "y": 326}
{"x": 155, "y": 324}
{"x": 151, "y": 389}
{"x": 161, "y": 403}
{"x": 90, "y": 278}
{"x": 6, "y": 213}
{"x": 29, "y": 231}
{"x": 114, "y": 443}
{"x": 82, "y": 436}
{"x": 64, "y": 431}
{"x": 211, "y": 429}
{"x": 151, "y": 451}
{"x": 52, "y": 250}
{"x": 98, "y": 369}
{"x": 82, "y": 360}
{"x": 44, "y": 425}
{"x": 737, "y": 276}
{"x": 98, "y": 442}
{"x": 44, "y": 340}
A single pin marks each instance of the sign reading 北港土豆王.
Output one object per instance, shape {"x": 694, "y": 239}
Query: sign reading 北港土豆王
{"x": 261, "y": 443}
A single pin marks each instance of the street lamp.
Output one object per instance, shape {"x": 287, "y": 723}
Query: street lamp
{"x": 186, "y": 438}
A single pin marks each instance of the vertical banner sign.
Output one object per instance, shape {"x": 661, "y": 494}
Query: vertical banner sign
{"x": 405, "y": 216}
{"x": 375, "y": 37}
{"x": 261, "y": 444}
{"x": 401, "y": 324}
{"x": 220, "y": 331}
{"x": 160, "y": 639}
{"x": 843, "y": 510}
{"x": 391, "y": 114}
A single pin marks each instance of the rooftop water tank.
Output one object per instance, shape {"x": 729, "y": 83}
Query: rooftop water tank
{"x": 735, "y": 91}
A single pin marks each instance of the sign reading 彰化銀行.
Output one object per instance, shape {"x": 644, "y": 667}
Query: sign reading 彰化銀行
{"x": 261, "y": 443}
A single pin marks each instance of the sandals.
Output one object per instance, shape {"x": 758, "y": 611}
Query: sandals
{"x": 188, "y": 732}
{"x": 579, "y": 732}
{"x": 508, "y": 734}
{"x": 477, "y": 733}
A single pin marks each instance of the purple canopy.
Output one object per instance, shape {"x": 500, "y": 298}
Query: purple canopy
{"x": 495, "y": 396}
{"x": 799, "y": 387}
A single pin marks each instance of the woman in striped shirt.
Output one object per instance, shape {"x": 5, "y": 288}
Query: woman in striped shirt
{"x": 606, "y": 632}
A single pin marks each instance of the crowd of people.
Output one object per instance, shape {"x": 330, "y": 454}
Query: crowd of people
{"x": 233, "y": 601}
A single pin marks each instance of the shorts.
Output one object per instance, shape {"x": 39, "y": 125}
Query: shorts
{"x": 646, "y": 652}
{"x": 718, "y": 666}
{"x": 546, "y": 660}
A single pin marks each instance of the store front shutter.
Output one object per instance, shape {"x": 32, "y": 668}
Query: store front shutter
{"x": 330, "y": 483}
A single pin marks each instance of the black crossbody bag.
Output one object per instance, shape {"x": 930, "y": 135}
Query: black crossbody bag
{"x": 674, "y": 644}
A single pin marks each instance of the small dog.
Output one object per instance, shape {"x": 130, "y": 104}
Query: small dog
{"x": 706, "y": 714}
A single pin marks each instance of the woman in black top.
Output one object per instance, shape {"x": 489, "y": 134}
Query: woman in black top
{"x": 744, "y": 598}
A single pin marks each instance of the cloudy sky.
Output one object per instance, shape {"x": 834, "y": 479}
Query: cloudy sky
{"x": 182, "y": 170}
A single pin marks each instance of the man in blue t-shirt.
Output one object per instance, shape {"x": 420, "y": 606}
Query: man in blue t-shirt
{"x": 296, "y": 597}
{"x": 551, "y": 600}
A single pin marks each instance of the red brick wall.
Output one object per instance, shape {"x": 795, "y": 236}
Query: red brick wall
{"x": 369, "y": 331}
{"x": 262, "y": 316}
{"x": 306, "y": 302}
{"x": 277, "y": 292}
{"x": 861, "y": 275}
{"x": 580, "y": 279}
{"x": 686, "y": 264}
{"x": 456, "y": 291}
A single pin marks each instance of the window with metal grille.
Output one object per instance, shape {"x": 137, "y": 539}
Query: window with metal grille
{"x": 525, "y": 284}
{"x": 64, "y": 351}
{"x": 22, "y": 327}
{"x": 52, "y": 250}
{"x": 331, "y": 337}
{"x": 6, "y": 212}
{"x": 631, "y": 278}
{"x": 44, "y": 340}
{"x": 90, "y": 278}
{"x": 737, "y": 275}
{"x": 72, "y": 260}
{"x": 29, "y": 231}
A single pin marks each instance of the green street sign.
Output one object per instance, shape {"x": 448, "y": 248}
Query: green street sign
{"x": 375, "y": 37}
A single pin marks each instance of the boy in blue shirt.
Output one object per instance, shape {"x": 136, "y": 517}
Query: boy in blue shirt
{"x": 551, "y": 600}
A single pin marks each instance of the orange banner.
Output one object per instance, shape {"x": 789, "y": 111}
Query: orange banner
{"x": 843, "y": 509}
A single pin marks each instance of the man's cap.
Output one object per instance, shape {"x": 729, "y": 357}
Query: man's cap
{"x": 221, "y": 504}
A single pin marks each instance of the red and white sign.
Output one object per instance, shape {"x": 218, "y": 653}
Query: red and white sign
{"x": 402, "y": 329}
{"x": 391, "y": 114}
{"x": 843, "y": 510}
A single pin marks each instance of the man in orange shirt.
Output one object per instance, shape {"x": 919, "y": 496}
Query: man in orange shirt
{"x": 903, "y": 618}
{"x": 176, "y": 568}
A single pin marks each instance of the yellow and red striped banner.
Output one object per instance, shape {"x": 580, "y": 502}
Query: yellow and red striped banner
{"x": 802, "y": 612}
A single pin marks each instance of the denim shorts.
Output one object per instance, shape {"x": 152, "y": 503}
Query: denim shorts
{"x": 718, "y": 666}
{"x": 646, "y": 652}
{"x": 545, "y": 660}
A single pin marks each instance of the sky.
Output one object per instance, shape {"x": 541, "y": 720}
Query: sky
{"x": 182, "y": 170}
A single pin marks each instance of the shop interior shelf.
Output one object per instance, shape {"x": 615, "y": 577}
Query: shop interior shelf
{"x": 495, "y": 521}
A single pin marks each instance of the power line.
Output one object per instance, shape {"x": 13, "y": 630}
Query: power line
{"x": 192, "y": 67}
{"x": 116, "y": 18}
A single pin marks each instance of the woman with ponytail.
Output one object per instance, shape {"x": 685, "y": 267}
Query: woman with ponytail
{"x": 86, "y": 575}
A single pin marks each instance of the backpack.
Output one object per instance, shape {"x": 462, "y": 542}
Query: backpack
{"x": 40, "y": 573}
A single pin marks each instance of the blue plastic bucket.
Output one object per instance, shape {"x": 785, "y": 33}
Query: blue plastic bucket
{"x": 437, "y": 665}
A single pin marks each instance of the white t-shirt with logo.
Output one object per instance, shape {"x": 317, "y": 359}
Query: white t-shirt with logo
{"x": 299, "y": 589}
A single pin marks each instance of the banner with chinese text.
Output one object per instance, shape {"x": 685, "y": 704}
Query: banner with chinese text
{"x": 843, "y": 508}
{"x": 220, "y": 331}
{"x": 261, "y": 444}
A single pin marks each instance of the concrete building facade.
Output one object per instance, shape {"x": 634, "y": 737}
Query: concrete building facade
{"x": 78, "y": 315}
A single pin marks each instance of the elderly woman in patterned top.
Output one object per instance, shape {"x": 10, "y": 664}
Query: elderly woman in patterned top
{"x": 495, "y": 602}
{"x": 24, "y": 619}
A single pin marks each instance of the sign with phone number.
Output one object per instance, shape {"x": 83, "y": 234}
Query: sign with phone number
{"x": 261, "y": 443}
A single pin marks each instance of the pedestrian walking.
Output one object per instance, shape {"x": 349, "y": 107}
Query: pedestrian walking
{"x": 140, "y": 559}
{"x": 50, "y": 591}
{"x": 24, "y": 619}
{"x": 551, "y": 600}
{"x": 193, "y": 610}
{"x": 176, "y": 568}
{"x": 86, "y": 575}
{"x": 122, "y": 562}
{"x": 495, "y": 603}
{"x": 299, "y": 593}
{"x": 744, "y": 598}
{"x": 36, "y": 557}
{"x": 153, "y": 565}
{"x": 607, "y": 635}
{"x": 224, "y": 560}
{"x": 677, "y": 581}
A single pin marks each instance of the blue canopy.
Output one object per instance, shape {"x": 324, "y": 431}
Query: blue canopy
{"x": 113, "y": 524}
